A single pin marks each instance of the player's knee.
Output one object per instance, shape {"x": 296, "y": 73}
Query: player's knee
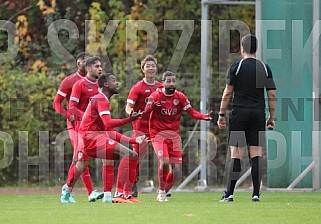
{"x": 81, "y": 165}
{"x": 164, "y": 164}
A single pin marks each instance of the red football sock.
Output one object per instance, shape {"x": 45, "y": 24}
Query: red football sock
{"x": 73, "y": 176}
{"x": 132, "y": 173}
{"x": 169, "y": 182}
{"x": 161, "y": 179}
{"x": 86, "y": 179}
{"x": 127, "y": 174}
{"x": 108, "y": 177}
{"x": 123, "y": 169}
{"x": 119, "y": 181}
{"x": 136, "y": 172}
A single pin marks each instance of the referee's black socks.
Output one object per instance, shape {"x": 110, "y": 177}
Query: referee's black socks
{"x": 256, "y": 174}
{"x": 234, "y": 174}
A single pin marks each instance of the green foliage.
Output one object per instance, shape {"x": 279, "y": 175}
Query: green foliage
{"x": 26, "y": 96}
{"x": 26, "y": 106}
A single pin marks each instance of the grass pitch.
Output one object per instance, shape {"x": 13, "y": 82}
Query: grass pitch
{"x": 181, "y": 208}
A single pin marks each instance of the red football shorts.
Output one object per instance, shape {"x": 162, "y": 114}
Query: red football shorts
{"x": 168, "y": 144}
{"x": 98, "y": 146}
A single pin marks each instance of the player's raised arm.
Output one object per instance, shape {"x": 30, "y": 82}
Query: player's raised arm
{"x": 129, "y": 108}
{"x": 197, "y": 115}
{"x": 149, "y": 105}
{"x": 104, "y": 113}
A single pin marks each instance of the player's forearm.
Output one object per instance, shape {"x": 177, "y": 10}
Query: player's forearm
{"x": 271, "y": 103}
{"x": 195, "y": 114}
{"x": 120, "y": 137}
{"x": 73, "y": 109}
{"x": 225, "y": 102}
{"x": 60, "y": 109}
{"x": 128, "y": 109}
{"x": 57, "y": 106}
{"x": 113, "y": 123}
{"x": 148, "y": 108}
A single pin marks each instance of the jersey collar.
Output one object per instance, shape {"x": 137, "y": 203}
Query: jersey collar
{"x": 150, "y": 84}
{"x": 80, "y": 74}
{"x": 99, "y": 90}
{"x": 90, "y": 81}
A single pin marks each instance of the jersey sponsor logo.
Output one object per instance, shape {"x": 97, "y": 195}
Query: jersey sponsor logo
{"x": 175, "y": 102}
{"x": 80, "y": 155}
{"x": 169, "y": 112}
{"x": 111, "y": 142}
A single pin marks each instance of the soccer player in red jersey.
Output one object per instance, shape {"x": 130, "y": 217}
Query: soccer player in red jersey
{"x": 166, "y": 106}
{"x": 65, "y": 89}
{"x": 136, "y": 101}
{"x": 81, "y": 93}
{"x": 64, "y": 92}
{"x": 100, "y": 140}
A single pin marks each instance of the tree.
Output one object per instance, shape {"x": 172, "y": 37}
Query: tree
{"x": 32, "y": 78}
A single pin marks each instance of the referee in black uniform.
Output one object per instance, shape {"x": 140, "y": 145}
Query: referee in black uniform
{"x": 246, "y": 81}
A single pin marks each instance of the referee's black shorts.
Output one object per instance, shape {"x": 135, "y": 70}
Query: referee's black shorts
{"x": 247, "y": 127}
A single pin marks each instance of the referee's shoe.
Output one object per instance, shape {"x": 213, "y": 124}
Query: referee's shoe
{"x": 226, "y": 198}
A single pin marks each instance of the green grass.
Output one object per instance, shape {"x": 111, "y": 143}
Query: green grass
{"x": 181, "y": 208}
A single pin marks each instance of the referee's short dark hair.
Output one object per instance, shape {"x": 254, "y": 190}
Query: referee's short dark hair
{"x": 92, "y": 60}
{"x": 249, "y": 44}
{"x": 103, "y": 79}
{"x": 166, "y": 74}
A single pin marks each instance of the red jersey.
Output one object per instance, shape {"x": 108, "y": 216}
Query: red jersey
{"x": 64, "y": 91}
{"x": 97, "y": 120}
{"x": 92, "y": 121}
{"x": 138, "y": 96}
{"x": 167, "y": 115}
{"x": 82, "y": 91}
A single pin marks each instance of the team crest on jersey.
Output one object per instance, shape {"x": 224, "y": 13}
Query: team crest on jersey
{"x": 175, "y": 102}
{"x": 160, "y": 153}
{"x": 80, "y": 155}
{"x": 111, "y": 142}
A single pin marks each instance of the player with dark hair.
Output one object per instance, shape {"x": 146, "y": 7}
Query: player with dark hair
{"x": 246, "y": 81}
{"x": 64, "y": 92}
{"x": 65, "y": 89}
{"x": 136, "y": 101}
{"x": 82, "y": 91}
{"x": 166, "y": 106}
{"x": 100, "y": 140}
